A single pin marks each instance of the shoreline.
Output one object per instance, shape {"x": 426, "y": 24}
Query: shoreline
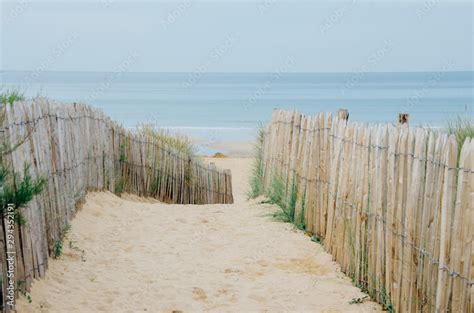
{"x": 230, "y": 149}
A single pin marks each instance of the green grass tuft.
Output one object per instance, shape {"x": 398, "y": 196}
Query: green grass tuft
{"x": 256, "y": 179}
{"x": 119, "y": 186}
{"x": 58, "y": 249}
{"x": 18, "y": 191}
{"x": 317, "y": 239}
{"x": 462, "y": 128}
{"x": 11, "y": 96}
{"x": 277, "y": 196}
{"x": 358, "y": 300}
{"x": 276, "y": 193}
{"x": 177, "y": 142}
{"x": 299, "y": 218}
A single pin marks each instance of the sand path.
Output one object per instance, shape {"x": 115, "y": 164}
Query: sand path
{"x": 131, "y": 255}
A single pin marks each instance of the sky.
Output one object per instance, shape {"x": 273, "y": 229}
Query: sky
{"x": 237, "y": 36}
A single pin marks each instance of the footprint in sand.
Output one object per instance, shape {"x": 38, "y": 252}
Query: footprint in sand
{"x": 199, "y": 294}
{"x": 304, "y": 265}
{"x": 231, "y": 271}
{"x": 228, "y": 294}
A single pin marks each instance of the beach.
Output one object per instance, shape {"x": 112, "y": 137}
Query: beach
{"x": 129, "y": 254}
{"x": 236, "y": 156}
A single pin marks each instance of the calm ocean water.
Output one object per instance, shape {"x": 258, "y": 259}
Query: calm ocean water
{"x": 216, "y": 107}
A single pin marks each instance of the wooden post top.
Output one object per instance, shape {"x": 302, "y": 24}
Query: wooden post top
{"x": 403, "y": 118}
{"x": 343, "y": 114}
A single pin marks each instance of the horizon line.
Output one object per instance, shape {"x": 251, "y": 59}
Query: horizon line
{"x": 232, "y": 72}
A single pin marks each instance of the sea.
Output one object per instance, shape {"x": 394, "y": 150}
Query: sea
{"x": 214, "y": 107}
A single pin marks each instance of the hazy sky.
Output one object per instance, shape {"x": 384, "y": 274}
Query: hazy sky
{"x": 237, "y": 36}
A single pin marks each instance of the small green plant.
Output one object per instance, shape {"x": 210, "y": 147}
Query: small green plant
{"x": 317, "y": 239}
{"x": 123, "y": 156}
{"x": 358, "y": 300}
{"x": 299, "y": 218}
{"x": 292, "y": 203}
{"x": 461, "y": 128}
{"x": 385, "y": 301}
{"x": 58, "y": 249}
{"x": 277, "y": 196}
{"x": 381, "y": 295}
{"x": 27, "y": 295}
{"x": 119, "y": 186}
{"x": 59, "y": 244}
{"x": 21, "y": 286}
{"x": 11, "y": 96}
{"x": 156, "y": 183}
{"x": 18, "y": 191}
{"x": 299, "y": 221}
{"x": 276, "y": 193}
{"x": 72, "y": 246}
{"x": 256, "y": 179}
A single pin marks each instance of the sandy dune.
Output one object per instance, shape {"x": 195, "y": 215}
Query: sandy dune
{"x": 132, "y": 255}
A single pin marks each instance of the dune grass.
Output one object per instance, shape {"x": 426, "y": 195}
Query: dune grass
{"x": 256, "y": 177}
{"x": 10, "y": 96}
{"x": 276, "y": 195}
{"x": 286, "y": 201}
{"x": 177, "y": 142}
{"x": 462, "y": 128}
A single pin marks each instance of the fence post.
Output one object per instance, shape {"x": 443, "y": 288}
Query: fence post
{"x": 403, "y": 118}
{"x": 343, "y": 114}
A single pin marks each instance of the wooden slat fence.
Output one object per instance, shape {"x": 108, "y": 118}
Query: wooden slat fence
{"x": 77, "y": 149}
{"x": 394, "y": 205}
